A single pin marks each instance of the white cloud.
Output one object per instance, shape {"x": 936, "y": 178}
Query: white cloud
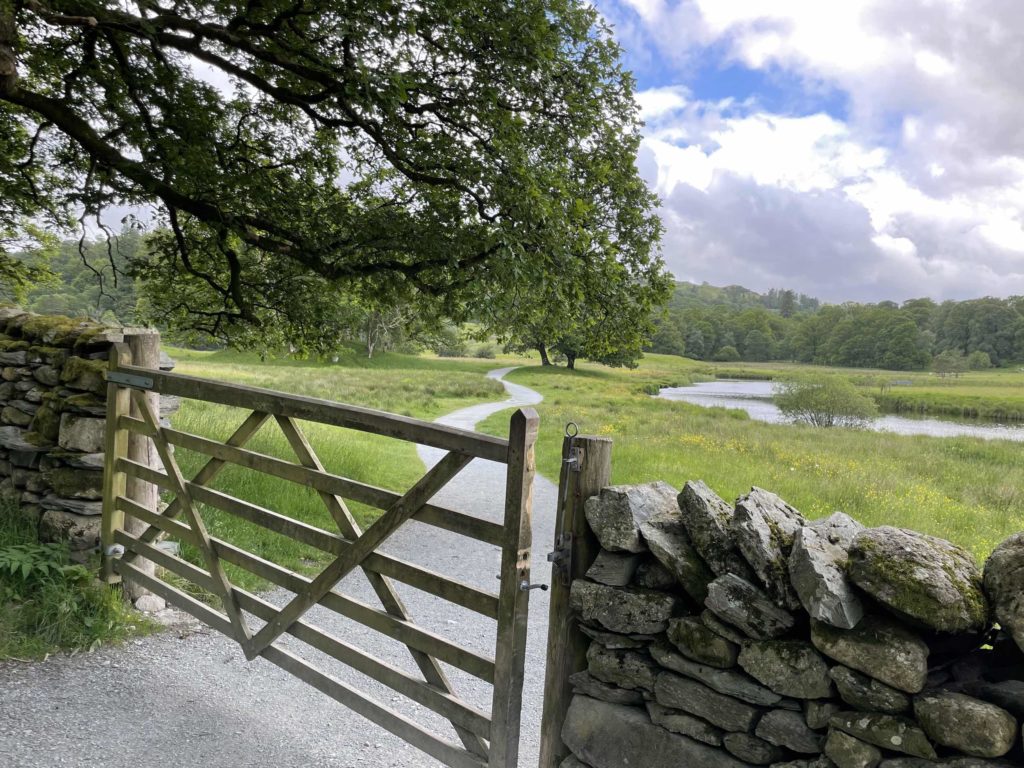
{"x": 919, "y": 190}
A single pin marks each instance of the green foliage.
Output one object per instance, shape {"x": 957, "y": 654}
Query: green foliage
{"x": 950, "y": 363}
{"x": 469, "y": 158}
{"x": 824, "y": 401}
{"x": 48, "y": 603}
{"x": 979, "y": 360}
{"x": 727, "y": 354}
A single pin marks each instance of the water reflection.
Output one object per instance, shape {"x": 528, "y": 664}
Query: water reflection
{"x": 754, "y": 397}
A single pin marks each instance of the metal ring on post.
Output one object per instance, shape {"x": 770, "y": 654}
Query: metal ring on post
{"x": 572, "y": 429}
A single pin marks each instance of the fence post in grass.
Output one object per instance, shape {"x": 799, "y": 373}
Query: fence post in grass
{"x": 144, "y": 346}
{"x": 586, "y": 469}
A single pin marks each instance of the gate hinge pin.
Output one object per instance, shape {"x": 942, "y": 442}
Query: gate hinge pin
{"x": 525, "y": 586}
{"x": 561, "y": 557}
{"x": 575, "y": 460}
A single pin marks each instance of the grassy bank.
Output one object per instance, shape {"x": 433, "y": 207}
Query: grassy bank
{"x": 967, "y": 490}
{"x": 413, "y": 386}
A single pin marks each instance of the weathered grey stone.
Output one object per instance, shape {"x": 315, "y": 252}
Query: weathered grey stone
{"x": 669, "y": 542}
{"x": 77, "y": 506}
{"x": 612, "y": 736}
{"x": 81, "y": 433}
{"x": 847, "y": 751}
{"x": 751, "y": 749}
{"x": 966, "y": 724}
{"x": 684, "y": 724}
{"x": 720, "y": 628}
{"x": 616, "y": 514}
{"x": 623, "y": 609}
{"x": 890, "y": 732}
{"x": 613, "y": 568}
{"x": 150, "y": 603}
{"x": 81, "y": 460}
{"x": 818, "y": 713}
{"x": 75, "y": 483}
{"x": 14, "y": 358}
{"x": 615, "y": 640}
{"x": 878, "y": 647}
{"x": 626, "y": 669}
{"x": 788, "y": 667}
{"x": 81, "y": 533}
{"x": 1004, "y": 585}
{"x": 817, "y": 570}
{"x": 866, "y": 693}
{"x": 743, "y": 605}
{"x": 1008, "y": 694}
{"x": 920, "y": 578}
{"x": 27, "y": 459}
{"x": 573, "y": 762}
{"x": 697, "y": 642}
{"x": 788, "y": 729}
{"x": 727, "y": 713}
{"x": 585, "y": 683}
{"x": 653, "y": 575}
{"x": 84, "y": 375}
{"x": 763, "y": 527}
{"x": 11, "y": 415}
{"x": 949, "y": 762}
{"x": 730, "y": 682}
{"x": 47, "y": 374}
{"x": 13, "y": 439}
{"x": 707, "y": 519}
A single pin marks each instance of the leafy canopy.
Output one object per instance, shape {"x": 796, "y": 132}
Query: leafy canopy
{"x": 459, "y": 153}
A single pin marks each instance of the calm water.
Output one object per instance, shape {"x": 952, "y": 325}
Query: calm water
{"x": 754, "y": 397}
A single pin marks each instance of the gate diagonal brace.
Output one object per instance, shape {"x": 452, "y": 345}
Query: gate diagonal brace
{"x": 401, "y": 511}
{"x": 391, "y": 602}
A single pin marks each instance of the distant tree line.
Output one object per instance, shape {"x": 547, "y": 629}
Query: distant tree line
{"x": 733, "y": 324}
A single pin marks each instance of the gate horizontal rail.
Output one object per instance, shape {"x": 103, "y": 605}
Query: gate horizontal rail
{"x": 487, "y": 740}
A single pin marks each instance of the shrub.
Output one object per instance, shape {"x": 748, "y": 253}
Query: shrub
{"x": 824, "y": 401}
{"x": 727, "y": 354}
{"x": 979, "y": 360}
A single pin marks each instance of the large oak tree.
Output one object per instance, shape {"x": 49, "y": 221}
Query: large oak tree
{"x": 464, "y": 153}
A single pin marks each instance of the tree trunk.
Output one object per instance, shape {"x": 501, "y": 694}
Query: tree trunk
{"x": 570, "y": 361}
{"x": 542, "y": 348}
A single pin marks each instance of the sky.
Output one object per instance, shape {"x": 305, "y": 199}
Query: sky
{"x": 848, "y": 149}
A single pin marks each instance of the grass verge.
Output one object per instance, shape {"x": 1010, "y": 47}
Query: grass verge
{"x": 49, "y": 604}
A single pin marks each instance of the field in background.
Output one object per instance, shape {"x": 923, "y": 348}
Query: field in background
{"x": 420, "y": 387}
{"x": 968, "y": 490}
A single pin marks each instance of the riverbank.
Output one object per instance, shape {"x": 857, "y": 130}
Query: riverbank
{"x": 968, "y": 490}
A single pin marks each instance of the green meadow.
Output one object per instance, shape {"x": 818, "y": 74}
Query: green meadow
{"x": 967, "y": 490}
{"x": 964, "y": 489}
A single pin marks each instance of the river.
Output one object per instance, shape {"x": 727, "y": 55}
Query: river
{"x": 755, "y": 397}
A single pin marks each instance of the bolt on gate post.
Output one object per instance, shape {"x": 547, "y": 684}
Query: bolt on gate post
{"x": 586, "y": 469}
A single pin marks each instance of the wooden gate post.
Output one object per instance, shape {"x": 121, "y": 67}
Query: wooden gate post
{"x": 586, "y": 469}
{"x": 115, "y": 446}
{"x": 144, "y": 345}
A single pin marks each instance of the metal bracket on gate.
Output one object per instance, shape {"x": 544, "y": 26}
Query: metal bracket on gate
{"x": 131, "y": 380}
{"x": 561, "y": 558}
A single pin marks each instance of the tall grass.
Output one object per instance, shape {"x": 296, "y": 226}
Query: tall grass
{"x": 968, "y": 490}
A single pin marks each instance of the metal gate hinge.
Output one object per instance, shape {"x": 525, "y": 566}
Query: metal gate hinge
{"x": 114, "y": 550}
{"x": 561, "y": 558}
{"x": 130, "y": 380}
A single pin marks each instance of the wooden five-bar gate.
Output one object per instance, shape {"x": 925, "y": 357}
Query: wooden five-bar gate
{"x": 132, "y": 534}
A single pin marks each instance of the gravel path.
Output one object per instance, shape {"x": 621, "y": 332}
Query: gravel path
{"x": 187, "y": 697}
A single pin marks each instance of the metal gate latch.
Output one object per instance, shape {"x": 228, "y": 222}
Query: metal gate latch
{"x": 561, "y": 558}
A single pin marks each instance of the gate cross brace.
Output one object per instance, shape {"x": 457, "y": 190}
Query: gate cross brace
{"x": 209, "y": 471}
{"x": 401, "y": 511}
{"x": 213, "y": 564}
{"x": 429, "y": 668}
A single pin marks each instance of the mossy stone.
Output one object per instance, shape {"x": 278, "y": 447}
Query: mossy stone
{"x": 84, "y": 375}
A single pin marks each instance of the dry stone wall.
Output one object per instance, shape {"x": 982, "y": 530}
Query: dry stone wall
{"x": 52, "y": 425}
{"x": 726, "y": 635}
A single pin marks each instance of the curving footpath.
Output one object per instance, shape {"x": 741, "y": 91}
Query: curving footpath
{"x": 187, "y": 697}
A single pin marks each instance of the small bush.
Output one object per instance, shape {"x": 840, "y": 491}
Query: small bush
{"x": 727, "y": 354}
{"x": 485, "y": 352}
{"x": 824, "y": 401}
